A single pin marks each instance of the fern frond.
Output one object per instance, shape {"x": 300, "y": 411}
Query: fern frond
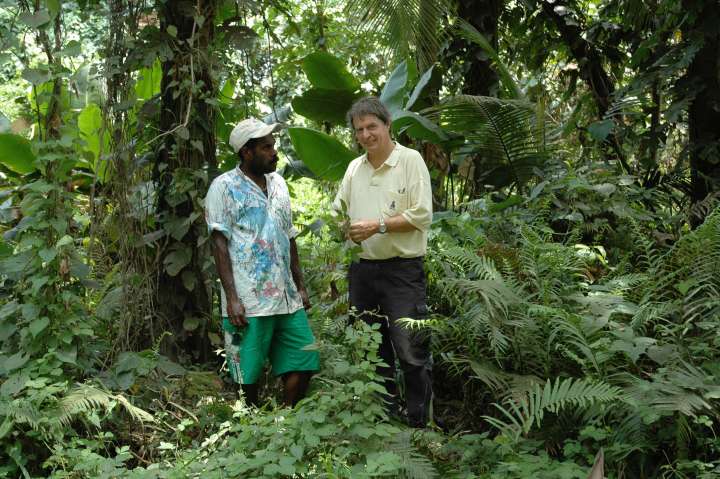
{"x": 414, "y": 464}
{"x": 86, "y": 398}
{"x": 522, "y": 414}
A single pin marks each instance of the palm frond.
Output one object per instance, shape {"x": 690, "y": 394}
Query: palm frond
{"x": 502, "y": 132}
{"x": 412, "y": 26}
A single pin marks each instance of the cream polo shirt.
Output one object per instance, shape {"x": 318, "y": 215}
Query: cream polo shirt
{"x": 400, "y": 186}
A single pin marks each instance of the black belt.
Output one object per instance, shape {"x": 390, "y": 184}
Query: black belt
{"x": 396, "y": 259}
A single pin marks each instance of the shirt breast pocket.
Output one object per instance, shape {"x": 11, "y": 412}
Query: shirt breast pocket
{"x": 396, "y": 201}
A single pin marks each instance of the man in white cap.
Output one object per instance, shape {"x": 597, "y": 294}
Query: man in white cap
{"x": 263, "y": 295}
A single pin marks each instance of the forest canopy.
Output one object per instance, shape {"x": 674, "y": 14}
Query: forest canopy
{"x": 573, "y": 257}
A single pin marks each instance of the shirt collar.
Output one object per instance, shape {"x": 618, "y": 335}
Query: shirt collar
{"x": 391, "y": 160}
{"x": 244, "y": 177}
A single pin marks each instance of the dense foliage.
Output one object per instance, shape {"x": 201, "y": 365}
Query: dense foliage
{"x": 573, "y": 264}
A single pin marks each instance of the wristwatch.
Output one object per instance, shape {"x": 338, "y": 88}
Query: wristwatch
{"x": 382, "y": 229}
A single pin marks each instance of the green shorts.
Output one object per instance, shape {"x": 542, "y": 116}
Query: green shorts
{"x": 280, "y": 337}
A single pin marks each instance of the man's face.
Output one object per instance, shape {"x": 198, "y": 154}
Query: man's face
{"x": 371, "y": 133}
{"x": 262, "y": 158}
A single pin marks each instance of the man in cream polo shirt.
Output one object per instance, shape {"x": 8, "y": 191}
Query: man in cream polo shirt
{"x": 388, "y": 198}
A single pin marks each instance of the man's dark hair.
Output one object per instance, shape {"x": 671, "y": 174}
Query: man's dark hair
{"x": 250, "y": 144}
{"x": 370, "y": 105}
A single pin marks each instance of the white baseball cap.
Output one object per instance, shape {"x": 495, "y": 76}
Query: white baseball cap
{"x": 251, "y": 128}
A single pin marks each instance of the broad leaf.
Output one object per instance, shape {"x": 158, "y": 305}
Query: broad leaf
{"x": 148, "y": 82}
{"x": 324, "y": 105}
{"x": 177, "y": 260}
{"x": 394, "y": 91}
{"x": 418, "y": 127}
{"x": 90, "y": 124}
{"x": 16, "y": 153}
{"x": 35, "y": 20}
{"x": 600, "y": 129}
{"x": 323, "y": 154}
{"x": 326, "y": 71}
{"x": 419, "y": 88}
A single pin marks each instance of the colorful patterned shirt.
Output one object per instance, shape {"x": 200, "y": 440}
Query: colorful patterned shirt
{"x": 258, "y": 229}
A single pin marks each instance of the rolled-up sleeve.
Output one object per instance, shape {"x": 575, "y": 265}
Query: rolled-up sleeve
{"x": 419, "y": 211}
{"x": 217, "y": 215}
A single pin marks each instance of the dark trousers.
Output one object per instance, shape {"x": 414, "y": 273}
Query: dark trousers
{"x": 384, "y": 291}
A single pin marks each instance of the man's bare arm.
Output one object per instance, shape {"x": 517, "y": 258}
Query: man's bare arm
{"x": 235, "y": 308}
{"x": 297, "y": 273}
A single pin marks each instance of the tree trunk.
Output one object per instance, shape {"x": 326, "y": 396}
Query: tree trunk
{"x": 592, "y": 70}
{"x": 481, "y": 78}
{"x": 703, "y": 76}
{"x": 184, "y": 301}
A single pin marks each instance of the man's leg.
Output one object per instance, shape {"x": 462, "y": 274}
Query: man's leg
{"x": 364, "y": 298}
{"x": 295, "y": 384}
{"x": 404, "y": 286}
{"x": 245, "y": 352}
{"x": 250, "y": 392}
{"x": 290, "y": 356}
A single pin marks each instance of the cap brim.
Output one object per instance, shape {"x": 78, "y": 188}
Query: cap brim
{"x": 271, "y": 128}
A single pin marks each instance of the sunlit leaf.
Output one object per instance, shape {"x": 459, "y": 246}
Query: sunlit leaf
{"x": 324, "y": 155}
{"x": 325, "y": 71}
{"x": 16, "y": 153}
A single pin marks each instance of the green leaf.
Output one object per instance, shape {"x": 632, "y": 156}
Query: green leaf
{"x": 177, "y": 260}
{"x": 47, "y": 254}
{"x": 189, "y": 280}
{"x": 419, "y": 88}
{"x": 19, "y": 264}
{"x": 327, "y": 157}
{"x": 148, "y": 83}
{"x": 418, "y": 127}
{"x": 15, "y": 361}
{"x": 394, "y": 91}
{"x": 169, "y": 367}
{"x": 53, "y": 8}
{"x": 6, "y": 427}
{"x": 16, "y": 153}
{"x": 64, "y": 241}
{"x": 36, "y": 76}
{"x": 8, "y": 309}
{"x": 14, "y": 384}
{"x": 605, "y": 189}
{"x": 37, "y": 326}
{"x": 30, "y": 311}
{"x": 73, "y": 48}
{"x": 34, "y": 20}
{"x": 68, "y": 355}
{"x": 191, "y": 323}
{"x": 324, "y": 71}
{"x": 172, "y": 31}
{"x": 90, "y": 124}
{"x": 323, "y": 105}
{"x": 600, "y": 129}
{"x": 6, "y": 330}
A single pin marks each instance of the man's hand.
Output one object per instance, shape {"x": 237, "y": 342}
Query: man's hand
{"x": 236, "y": 312}
{"x": 305, "y": 298}
{"x": 363, "y": 229}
